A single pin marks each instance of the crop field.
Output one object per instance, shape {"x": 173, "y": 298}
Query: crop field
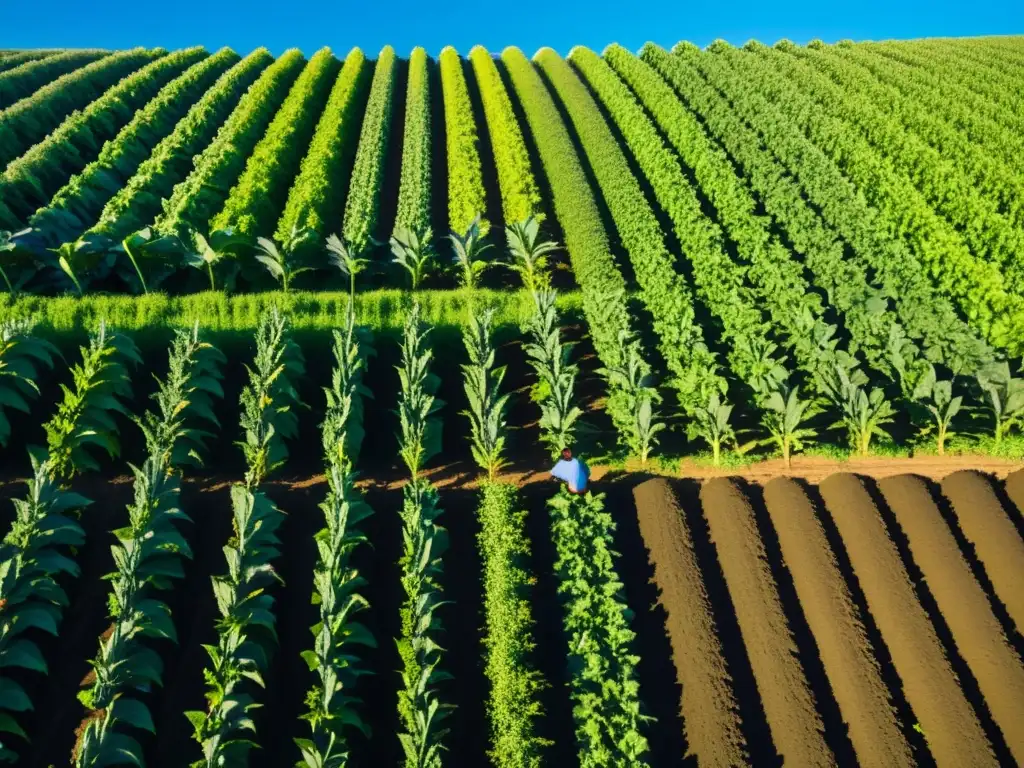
{"x": 288, "y": 346}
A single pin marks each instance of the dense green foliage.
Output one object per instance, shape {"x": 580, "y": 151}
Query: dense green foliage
{"x": 520, "y": 197}
{"x": 29, "y": 181}
{"x": 20, "y": 82}
{"x": 75, "y": 206}
{"x": 466, "y": 197}
{"x": 138, "y": 202}
{"x": 29, "y": 120}
{"x": 199, "y": 197}
{"x": 414, "y": 188}
{"x": 362, "y": 207}
{"x": 259, "y": 196}
{"x": 316, "y": 199}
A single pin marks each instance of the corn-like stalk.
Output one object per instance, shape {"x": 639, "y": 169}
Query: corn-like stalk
{"x": 147, "y": 557}
{"x": 424, "y": 543}
{"x": 34, "y": 553}
{"x": 246, "y": 628}
{"x": 549, "y": 357}
{"x": 331, "y": 707}
{"x": 487, "y": 407}
{"x": 22, "y": 358}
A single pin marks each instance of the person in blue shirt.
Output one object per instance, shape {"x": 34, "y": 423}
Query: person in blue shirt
{"x": 574, "y": 472}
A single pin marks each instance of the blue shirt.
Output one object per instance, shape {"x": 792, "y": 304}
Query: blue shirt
{"x": 574, "y": 472}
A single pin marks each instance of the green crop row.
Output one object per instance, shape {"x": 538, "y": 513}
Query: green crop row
{"x": 26, "y": 122}
{"x": 362, "y": 208}
{"x": 952, "y": 193}
{"x": 77, "y": 204}
{"x": 520, "y": 197}
{"x": 257, "y": 199}
{"x": 976, "y": 287}
{"x": 316, "y": 199}
{"x": 147, "y": 557}
{"x": 414, "y": 189}
{"x": 662, "y": 289}
{"x": 928, "y": 317}
{"x": 137, "y": 203}
{"x": 201, "y": 195}
{"x": 31, "y": 180}
{"x": 12, "y": 59}
{"x": 23, "y": 81}
{"x": 466, "y": 197}
{"x": 380, "y": 310}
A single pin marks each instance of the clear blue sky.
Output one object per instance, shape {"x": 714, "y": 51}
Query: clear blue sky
{"x": 530, "y": 24}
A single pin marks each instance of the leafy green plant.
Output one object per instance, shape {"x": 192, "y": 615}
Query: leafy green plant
{"x": 530, "y": 254}
{"x": 147, "y": 557}
{"x": 331, "y": 706}
{"x": 246, "y": 628}
{"x": 1004, "y": 397}
{"x": 468, "y": 248}
{"x": 414, "y": 253}
{"x": 933, "y": 407}
{"x": 863, "y": 413}
{"x": 347, "y": 260}
{"x": 10, "y": 260}
{"x": 424, "y": 542}
{"x": 513, "y": 704}
{"x": 549, "y": 358}
{"x": 710, "y": 423}
{"x": 487, "y": 407}
{"x": 785, "y": 414}
{"x": 32, "y": 559}
{"x": 214, "y": 254}
{"x": 282, "y": 263}
{"x": 153, "y": 255}
{"x": 84, "y": 418}
{"x": 23, "y": 356}
{"x": 602, "y": 670}
{"x": 466, "y": 196}
{"x": 631, "y": 384}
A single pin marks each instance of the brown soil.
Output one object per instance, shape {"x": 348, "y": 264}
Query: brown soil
{"x": 796, "y": 726}
{"x": 814, "y": 469}
{"x": 845, "y": 649}
{"x": 1014, "y": 487}
{"x": 978, "y": 635}
{"x": 950, "y": 727}
{"x": 996, "y": 540}
{"x": 708, "y": 705}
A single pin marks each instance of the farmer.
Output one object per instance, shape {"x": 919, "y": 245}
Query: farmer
{"x": 573, "y": 471}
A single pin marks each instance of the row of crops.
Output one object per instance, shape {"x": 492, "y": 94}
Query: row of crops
{"x": 757, "y": 248}
{"x": 152, "y": 551}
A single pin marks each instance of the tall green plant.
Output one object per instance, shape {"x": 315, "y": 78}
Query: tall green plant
{"x": 1004, "y": 398}
{"x": 863, "y": 413}
{"x": 347, "y": 260}
{"x": 424, "y": 543}
{"x": 784, "y": 416}
{"x": 414, "y": 253}
{"x": 530, "y": 253}
{"x": 23, "y": 357}
{"x": 487, "y": 407}
{"x": 284, "y": 263}
{"x": 468, "y": 249}
{"x": 331, "y": 708}
{"x": 549, "y": 357}
{"x": 632, "y": 399}
{"x": 147, "y": 557}
{"x": 246, "y": 627}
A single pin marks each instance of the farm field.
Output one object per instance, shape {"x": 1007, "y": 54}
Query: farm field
{"x": 289, "y": 344}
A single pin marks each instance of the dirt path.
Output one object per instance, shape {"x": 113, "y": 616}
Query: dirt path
{"x": 995, "y": 538}
{"x": 708, "y": 705}
{"x": 835, "y": 622}
{"x": 954, "y": 736}
{"x": 979, "y": 637}
{"x": 796, "y": 726}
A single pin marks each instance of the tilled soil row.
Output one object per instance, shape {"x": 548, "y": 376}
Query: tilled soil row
{"x": 834, "y": 619}
{"x": 976, "y": 631}
{"x": 796, "y": 726}
{"x": 708, "y": 705}
{"x": 951, "y": 728}
{"x": 996, "y": 540}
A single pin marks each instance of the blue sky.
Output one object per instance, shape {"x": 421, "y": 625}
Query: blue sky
{"x": 530, "y": 24}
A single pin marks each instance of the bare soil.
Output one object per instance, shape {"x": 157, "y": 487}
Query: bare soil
{"x": 976, "y": 630}
{"x": 796, "y": 726}
{"x": 707, "y": 705}
{"x": 835, "y": 620}
{"x": 996, "y": 540}
{"x": 951, "y": 728}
